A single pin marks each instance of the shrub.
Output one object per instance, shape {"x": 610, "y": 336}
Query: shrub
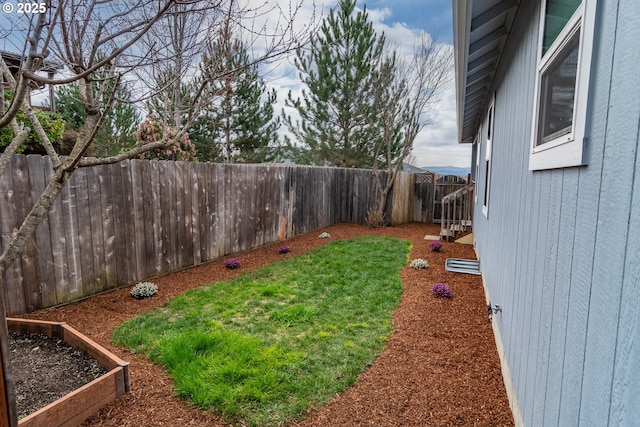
{"x": 441, "y": 290}
{"x": 284, "y": 249}
{"x": 419, "y": 263}
{"x": 375, "y": 219}
{"x": 144, "y": 290}
{"x": 154, "y": 129}
{"x": 232, "y": 263}
{"x": 435, "y": 246}
{"x": 324, "y": 235}
{"x": 52, "y": 124}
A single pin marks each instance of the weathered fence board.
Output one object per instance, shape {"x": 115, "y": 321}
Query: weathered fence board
{"x": 46, "y": 274}
{"x": 85, "y": 243}
{"x": 8, "y": 212}
{"x": 28, "y": 259}
{"x": 128, "y": 263}
{"x": 96, "y": 224}
{"x": 424, "y": 195}
{"x": 117, "y": 224}
{"x": 402, "y": 198}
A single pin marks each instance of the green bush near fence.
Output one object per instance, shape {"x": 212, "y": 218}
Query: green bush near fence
{"x": 264, "y": 348}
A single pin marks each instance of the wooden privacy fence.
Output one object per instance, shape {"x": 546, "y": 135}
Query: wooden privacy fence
{"x": 118, "y": 224}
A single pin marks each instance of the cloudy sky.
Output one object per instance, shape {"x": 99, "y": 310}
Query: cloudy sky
{"x": 401, "y": 21}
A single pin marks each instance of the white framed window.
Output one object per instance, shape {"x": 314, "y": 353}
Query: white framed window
{"x": 478, "y": 154}
{"x": 562, "y": 83}
{"x": 487, "y": 158}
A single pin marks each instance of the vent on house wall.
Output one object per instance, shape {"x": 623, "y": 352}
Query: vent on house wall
{"x": 467, "y": 266}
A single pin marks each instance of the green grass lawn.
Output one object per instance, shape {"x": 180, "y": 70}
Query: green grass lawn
{"x": 265, "y": 347}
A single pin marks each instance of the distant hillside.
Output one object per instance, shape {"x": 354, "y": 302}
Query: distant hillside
{"x": 448, "y": 170}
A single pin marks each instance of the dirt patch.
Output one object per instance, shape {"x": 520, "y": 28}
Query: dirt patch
{"x": 46, "y": 369}
{"x": 440, "y": 366}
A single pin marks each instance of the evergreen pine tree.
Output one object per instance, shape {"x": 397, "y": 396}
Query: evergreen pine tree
{"x": 238, "y": 126}
{"x": 116, "y": 133}
{"x": 340, "y": 70}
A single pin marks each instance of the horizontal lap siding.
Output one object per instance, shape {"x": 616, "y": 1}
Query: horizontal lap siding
{"x": 559, "y": 249}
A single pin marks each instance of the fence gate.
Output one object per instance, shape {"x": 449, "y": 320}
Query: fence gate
{"x": 423, "y": 196}
{"x": 445, "y": 184}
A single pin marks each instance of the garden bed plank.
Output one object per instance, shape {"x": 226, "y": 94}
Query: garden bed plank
{"x": 77, "y": 406}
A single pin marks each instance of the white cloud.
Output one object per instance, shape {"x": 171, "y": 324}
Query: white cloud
{"x": 437, "y": 144}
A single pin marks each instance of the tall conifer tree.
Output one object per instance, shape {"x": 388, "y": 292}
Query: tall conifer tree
{"x": 239, "y": 123}
{"x": 340, "y": 70}
{"x": 116, "y": 134}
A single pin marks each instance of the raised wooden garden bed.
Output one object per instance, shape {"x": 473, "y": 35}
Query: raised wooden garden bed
{"x": 79, "y": 405}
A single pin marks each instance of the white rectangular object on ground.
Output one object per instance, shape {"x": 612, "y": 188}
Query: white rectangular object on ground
{"x": 467, "y": 266}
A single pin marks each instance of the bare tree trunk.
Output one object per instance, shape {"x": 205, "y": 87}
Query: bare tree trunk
{"x": 33, "y": 219}
{"x": 11, "y": 252}
{"x": 227, "y": 119}
{"x": 8, "y": 409}
{"x": 68, "y": 34}
{"x": 382, "y": 205}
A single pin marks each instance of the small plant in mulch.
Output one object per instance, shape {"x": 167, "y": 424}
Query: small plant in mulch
{"x": 232, "y": 263}
{"x": 441, "y": 290}
{"x": 435, "y": 246}
{"x": 284, "y": 250}
{"x": 324, "y": 235}
{"x": 375, "y": 218}
{"x": 144, "y": 290}
{"x": 419, "y": 263}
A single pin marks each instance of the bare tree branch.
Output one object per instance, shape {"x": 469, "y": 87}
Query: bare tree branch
{"x": 81, "y": 72}
{"x": 406, "y": 92}
{"x": 10, "y": 150}
{"x": 98, "y": 42}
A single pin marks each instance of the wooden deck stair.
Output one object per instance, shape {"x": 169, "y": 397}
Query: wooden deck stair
{"x": 457, "y": 212}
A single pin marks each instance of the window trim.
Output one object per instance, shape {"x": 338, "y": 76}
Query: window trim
{"x": 568, "y": 149}
{"x": 491, "y": 113}
{"x": 478, "y": 143}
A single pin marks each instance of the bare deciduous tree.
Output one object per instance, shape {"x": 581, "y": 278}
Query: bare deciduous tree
{"x": 98, "y": 41}
{"x": 406, "y": 91}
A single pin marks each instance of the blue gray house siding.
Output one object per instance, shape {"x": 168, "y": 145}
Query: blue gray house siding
{"x": 560, "y": 249}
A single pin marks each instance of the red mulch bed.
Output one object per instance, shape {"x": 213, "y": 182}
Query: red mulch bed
{"x": 440, "y": 366}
